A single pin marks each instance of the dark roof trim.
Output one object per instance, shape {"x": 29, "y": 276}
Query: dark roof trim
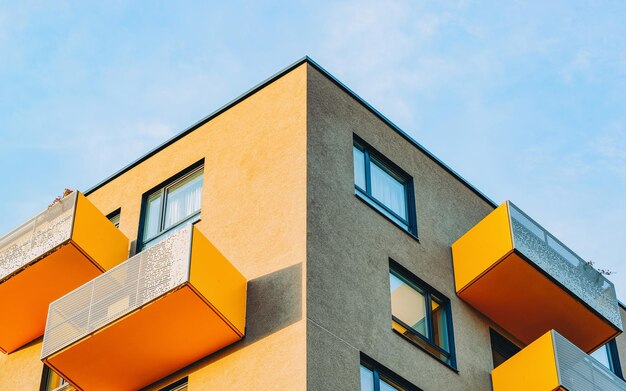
{"x": 270, "y": 80}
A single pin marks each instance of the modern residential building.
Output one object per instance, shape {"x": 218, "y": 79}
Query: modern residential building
{"x": 297, "y": 239}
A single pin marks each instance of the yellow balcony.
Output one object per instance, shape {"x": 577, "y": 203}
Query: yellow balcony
{"x": 60, "y": 249}
{"x": 520, "y": 276}
{"x": 161, "y": 310}
{"x": 554, "y": 363}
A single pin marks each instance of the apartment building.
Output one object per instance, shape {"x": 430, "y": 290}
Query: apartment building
{"x": 297, "y": 239}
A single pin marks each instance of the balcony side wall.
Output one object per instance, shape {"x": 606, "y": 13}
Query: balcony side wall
{"x": 349, "y": 246}
{"x": 254, "y": 212}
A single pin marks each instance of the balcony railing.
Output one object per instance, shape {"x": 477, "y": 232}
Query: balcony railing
{"x": 556, "y": 259}
{"x": 123, "y": 289}
{"x": 37, "y": 236}
{"x": 552, "y": 362}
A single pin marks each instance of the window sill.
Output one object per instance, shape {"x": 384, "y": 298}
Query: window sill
{"x": 449, "y": 366}
{"x": 367, "y": 201}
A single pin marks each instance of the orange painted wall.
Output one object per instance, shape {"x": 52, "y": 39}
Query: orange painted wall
{"x": 254, "y": 212}
{"x": 21, "y": 370}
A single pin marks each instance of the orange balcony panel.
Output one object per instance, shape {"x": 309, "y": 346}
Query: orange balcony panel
{"x": 553, "y": 363}
{"x": 156, "y": 313}
{"x": 60, "y": 249}
{"x": 525, "y": 280}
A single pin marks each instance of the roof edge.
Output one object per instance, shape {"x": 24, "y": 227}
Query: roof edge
{"x": 271, "y": 79}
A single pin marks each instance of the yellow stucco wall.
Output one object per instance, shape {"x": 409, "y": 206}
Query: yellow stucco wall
{"x": 254, "y": 212}
{"x": 21, "y": 370}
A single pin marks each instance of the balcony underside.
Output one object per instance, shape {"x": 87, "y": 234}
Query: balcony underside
{"x": 26, "y": 295}
{"x": 527, "y": 303}
{"x": 146, "y": 345}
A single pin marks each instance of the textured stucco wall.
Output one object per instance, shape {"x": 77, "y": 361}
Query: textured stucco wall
{"x": 22, "y": 369}
{"x": 254, "y": 212}
{"x": 349, "y": 246}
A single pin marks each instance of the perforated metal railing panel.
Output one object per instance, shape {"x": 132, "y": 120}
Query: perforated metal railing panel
{"x": 549, "y": 254}
{"x": 37, "y": 236}
{"x": 139, "y": 280}
{"x": 581, "y": 372}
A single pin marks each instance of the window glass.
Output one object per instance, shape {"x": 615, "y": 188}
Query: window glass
{"x": 359, "y": 167}
{"x": 602, "y": 355}
{"x": 54, "y": 382}
{"x": 388, "y": 190}
{"x": 153, "y": 216}
{"x": 387, "y": 386}
{"x": 115, "y": 218}
{"x": 408, "y": 305}
{"x": 440, "y": 325}
{"x": 183, "y": 200}
{"x": 367, "y": 379}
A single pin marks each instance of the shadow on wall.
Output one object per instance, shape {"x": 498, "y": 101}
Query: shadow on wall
{"x": 274, "y": 301}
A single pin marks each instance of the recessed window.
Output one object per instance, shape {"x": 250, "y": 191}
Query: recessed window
{"x": 51, "y": 381}
{"x": 421, "y": 314}
{"x": 180, "y": 385}
{"x": 607, "y": 355}
{"x": 501, "y": 348}
{"x": 375, "y": 377}
{"x": 384, "y": 186}
{"x": 114, "y": 217}
{"x": 169, "y": 207}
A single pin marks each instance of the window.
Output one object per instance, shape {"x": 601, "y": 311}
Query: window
{"x": 375, "y": 377}
{"x": 607, "y": 355}
{"x": 170, "y": 206}
{"x": 180, "y": 385}
{"x": 384, "y": 186}
{"x": 51, "y": 381}
{"x": 501, "y": 348}
{"x": 421, "y": 314}
{"x": 114, "y": 217}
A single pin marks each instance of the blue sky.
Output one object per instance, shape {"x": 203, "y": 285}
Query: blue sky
{"x": 525, "y": 100}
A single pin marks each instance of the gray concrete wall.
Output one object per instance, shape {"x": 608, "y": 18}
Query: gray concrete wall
{"x": 349, "y": 245}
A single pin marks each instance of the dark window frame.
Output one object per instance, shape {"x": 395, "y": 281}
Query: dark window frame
{"x": 199, "y": 165}
{"x": 176, "y": 384}
{"x": 428, "y": 292}
{"x": 379, "y": 369}
{"x": 502, "y": 346}
{"x": 116, "y": 212}
{"x": 615, "y": 365}
{"x": 371, "y": 154}
{"x": 45, "y": 377}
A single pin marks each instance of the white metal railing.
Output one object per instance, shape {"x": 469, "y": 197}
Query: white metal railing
{"x": 37, "y": 236}
{"x": 139, "y": 280}
{"x": 562, "y": 264}
{"x": 579, "y": 371}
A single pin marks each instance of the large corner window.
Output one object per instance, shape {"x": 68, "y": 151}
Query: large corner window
{"x": 375, "y": 377}
{"x": 384, "y": 186}
{"x": 607, "y": 356}
{"x": 170, "y": 206}
{"x": 421, "y": 315}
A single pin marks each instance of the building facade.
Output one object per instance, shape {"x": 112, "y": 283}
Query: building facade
{"x": 297, "y": 239}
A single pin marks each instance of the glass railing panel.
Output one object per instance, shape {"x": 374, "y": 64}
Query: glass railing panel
{"x": 562, "y": 264}
{"x": 123, "y": 289}
{"x": 37, "y": 236}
